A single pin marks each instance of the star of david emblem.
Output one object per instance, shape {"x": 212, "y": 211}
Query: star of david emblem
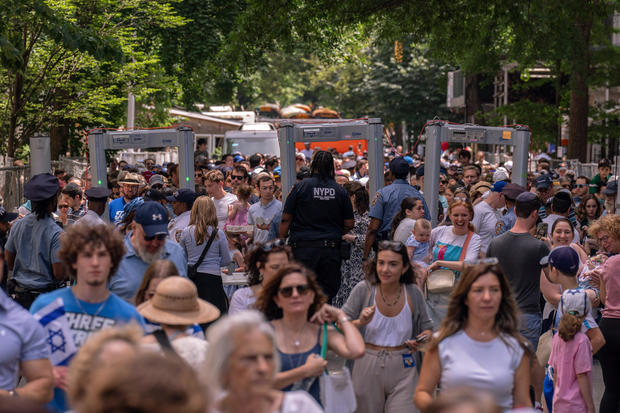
{"x": 56, "y": 340}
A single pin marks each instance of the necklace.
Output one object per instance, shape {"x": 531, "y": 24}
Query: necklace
{"x": 392, "y": 304}
{"x": 298, "y": 334}
{"x": 77, "y": 301}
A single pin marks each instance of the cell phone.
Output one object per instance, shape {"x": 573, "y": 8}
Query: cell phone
{"x": 422, "y": 338}
{"x": 542, "y": 229}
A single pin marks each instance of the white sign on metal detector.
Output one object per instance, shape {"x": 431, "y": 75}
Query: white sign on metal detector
{"x": 437, "y": 132}
{"x": 101, "y": 140}
{"x": 315, "y": 130}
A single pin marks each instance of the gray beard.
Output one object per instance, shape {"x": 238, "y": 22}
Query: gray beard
{"x": 149, "y": 257}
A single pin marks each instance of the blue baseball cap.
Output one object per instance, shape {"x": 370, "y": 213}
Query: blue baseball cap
{"x": 41, "y": 187}
{"x": 409, "y": 160}
{"x": 238, "y": 158}
{"x": 6, "y": 216}
{"x": 153, "y": 217}
{"x": 544, "y": 181}
{"x": 565, "y": 259}
{"x": 498, "y": 186}
{"x": 399, "y": 166}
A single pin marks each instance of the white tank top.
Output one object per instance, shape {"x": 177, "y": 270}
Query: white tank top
{"x": 389, "y": 331}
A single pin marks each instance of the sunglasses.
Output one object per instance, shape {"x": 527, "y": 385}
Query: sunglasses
{"x": 580, "y": 185}
{"x": 443, "y": 182}
{"x": 287, "y": 292}
{"x": 391, "y": 245}
{"x": 237, "y": 177}
{"x": 63, "y": 206}
{"x": 273, "y": 244}
{"x": 159, "y": 237}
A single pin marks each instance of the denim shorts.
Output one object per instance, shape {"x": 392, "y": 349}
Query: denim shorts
{"x": 531, "y": 328}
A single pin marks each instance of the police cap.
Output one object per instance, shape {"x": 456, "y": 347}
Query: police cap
{"x": 41, "y": 187}
{"x": 97, "y": 193}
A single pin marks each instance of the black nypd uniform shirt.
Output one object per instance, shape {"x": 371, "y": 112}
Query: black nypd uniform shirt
{"x": 319, "y": 209}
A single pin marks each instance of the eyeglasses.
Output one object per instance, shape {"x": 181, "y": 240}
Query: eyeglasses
{"x": 159, "y": 237}
{"x": 580, "y": 185}
{"x": 237, "y": 177}
{"x": 443, "y": 182}
{"x": 273, "y": 244}
{"x": 63, "y": 206}
{"x": 287, "y": 292}
{"x": 395, "y": 246}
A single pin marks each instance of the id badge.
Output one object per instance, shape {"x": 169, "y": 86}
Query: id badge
{"x": 408, "y": 361}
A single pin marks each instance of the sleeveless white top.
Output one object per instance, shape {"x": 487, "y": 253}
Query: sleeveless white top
{"x": 390, "y": 331}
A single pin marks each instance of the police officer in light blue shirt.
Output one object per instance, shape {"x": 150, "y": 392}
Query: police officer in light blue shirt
{"x": 147, "y": 242}
{"x": 23, "y": 350}
{"x": 33, "y": 244}
{"x": 511, "y": 192}
{"x": 387, "y": 204}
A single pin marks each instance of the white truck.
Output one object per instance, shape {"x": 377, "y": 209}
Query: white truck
{"x": 261, "y": 137}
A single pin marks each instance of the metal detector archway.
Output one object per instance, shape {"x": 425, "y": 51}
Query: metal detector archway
{"x": 313, "y": 130}
{"x": 438, "y": 131}
{"x": 182, "y": 137}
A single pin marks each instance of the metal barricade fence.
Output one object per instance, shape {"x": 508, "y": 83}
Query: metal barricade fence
{"x": 12, "y": 181}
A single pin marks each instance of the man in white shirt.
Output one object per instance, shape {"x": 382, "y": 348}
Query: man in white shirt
{"x": 262, "y": 213}
{"x": 214, "y": 182}
{"x": 486, "y": 215}
{"x": 182, "y": 202}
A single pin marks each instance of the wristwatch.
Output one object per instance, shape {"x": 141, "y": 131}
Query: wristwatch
{"x": 343, "y": 319}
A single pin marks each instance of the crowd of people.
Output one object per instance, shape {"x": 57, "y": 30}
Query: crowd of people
{"x": 148, "y": 297}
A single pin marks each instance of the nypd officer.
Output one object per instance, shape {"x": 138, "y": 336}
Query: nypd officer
{"x": 387, "y": 204}
{"x": 34, "y": 240}
{"x": 318, "y": 213}
{"x": 511, "y": 192}
{"x": 97, "y": 198}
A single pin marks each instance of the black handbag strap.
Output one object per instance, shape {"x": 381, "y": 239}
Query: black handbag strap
{"x": 163, "y": 340}
{"x": 204, "y": 251}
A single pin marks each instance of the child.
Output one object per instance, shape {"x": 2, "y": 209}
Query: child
{"x": 238, "y": 211}
{"x": 417, "y": 243}
{"x": 563, "y": 268}
{"x": 571, "y": 357}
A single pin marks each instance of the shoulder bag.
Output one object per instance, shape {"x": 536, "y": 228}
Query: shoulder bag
{"x": 192, "y": 269}
{"x": 442, "y": 281}
{"x": 337, "y": 394}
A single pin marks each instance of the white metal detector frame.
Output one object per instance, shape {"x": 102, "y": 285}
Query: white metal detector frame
{"x": 312, "y": 130}
{"x": 182, "y": 137}
{"x": 437, "y": 132}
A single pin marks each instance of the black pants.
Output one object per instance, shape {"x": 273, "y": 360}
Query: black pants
{"x": 325, "y": 262}
{"x": 609, "y": 357}
{"x": 211, "y": 289}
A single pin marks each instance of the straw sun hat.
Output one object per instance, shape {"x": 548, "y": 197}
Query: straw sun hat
{"x": 176, "y": 302}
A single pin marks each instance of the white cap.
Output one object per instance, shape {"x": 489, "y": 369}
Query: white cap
{"x": 576, "y": 302}
{"x": 508, "y": 165}
{"x": 501, "y": 174}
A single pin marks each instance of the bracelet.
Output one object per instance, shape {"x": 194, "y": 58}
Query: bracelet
{"x": 343, "y": 320}
{"x": 13, "y": 393}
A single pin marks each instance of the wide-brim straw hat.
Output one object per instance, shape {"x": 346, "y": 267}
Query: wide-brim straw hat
{"x": 176, "y": 302}
{"x": 130, "y": 178}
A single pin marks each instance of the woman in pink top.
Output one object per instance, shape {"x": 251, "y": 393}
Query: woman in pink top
{"x": 571, "y": 357}
{"x": 607, "y": 231}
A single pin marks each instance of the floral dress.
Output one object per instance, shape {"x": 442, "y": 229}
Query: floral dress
{"x": 351, "y": 269}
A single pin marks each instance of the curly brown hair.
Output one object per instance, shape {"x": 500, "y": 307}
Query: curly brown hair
{"x": 78, "y": 237}
{"x": 257, "y": 257}
{"x": 608, "y": 223}
{"x": 266, "y": 304}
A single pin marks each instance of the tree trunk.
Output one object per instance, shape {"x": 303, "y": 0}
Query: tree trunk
{"x": 17, "y": 89}
{"x": 579, "y": 101}
{"x": 578, "y": 121}
{"x": 59, "y": 137}
{"x": 472, "y": 98}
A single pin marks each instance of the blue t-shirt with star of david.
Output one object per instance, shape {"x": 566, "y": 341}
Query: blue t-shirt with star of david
{"x": 84, "y": 319}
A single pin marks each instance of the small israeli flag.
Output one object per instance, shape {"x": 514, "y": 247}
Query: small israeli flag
{"x": 60, "y": 340}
